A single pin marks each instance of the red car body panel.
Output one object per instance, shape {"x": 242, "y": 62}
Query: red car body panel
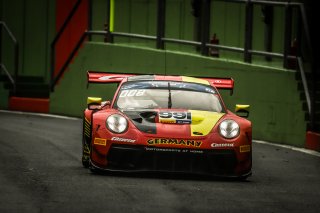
{"x": 172, "y": 144}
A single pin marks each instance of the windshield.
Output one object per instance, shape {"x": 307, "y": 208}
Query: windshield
{"x": 166, "y": 94}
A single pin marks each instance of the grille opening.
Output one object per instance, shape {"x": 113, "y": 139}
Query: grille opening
{"x": 137, "y": 158}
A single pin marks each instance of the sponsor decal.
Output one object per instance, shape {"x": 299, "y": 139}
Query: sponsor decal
{"x": 177, "y": 142}
{"x": 222, "y": 145}
{"x": 132, "y": 93}
{"x": 123, "y": 140}
{"x": 156, "y": 149}
{"x": 100, "y": 141}
{"x": 195, "y": 151}
{"x": 175, "y": 117}
{"x": 245, "y": 148}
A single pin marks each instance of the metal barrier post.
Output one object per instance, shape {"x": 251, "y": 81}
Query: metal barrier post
{"x": 205, "y": 28}
{"x": 161, "y": 18}
{"x": 89, "y": 18}
{"x": 248, "y": 32}
{"x": 268, "y": 29}
{"x": 287, "y": 35}
{"x": 0, "y": 43}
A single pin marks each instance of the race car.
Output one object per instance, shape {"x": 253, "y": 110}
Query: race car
{"x": 162, "y": 123}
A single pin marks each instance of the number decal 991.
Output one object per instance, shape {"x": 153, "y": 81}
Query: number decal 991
{"x": 175, "y": 117}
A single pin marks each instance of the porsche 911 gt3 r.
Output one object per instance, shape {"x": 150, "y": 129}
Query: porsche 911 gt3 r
{"x": 166, "y": 124}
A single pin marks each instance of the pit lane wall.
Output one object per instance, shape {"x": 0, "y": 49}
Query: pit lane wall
{"x": 276, "y": 109}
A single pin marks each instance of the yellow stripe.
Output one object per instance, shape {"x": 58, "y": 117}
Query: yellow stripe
{"x": 194, "y": 80}
{"x": 111, "y": 24}
{"x": 87, "y": 133}
{"x": 87, "y": 128}
{"x": 87, "y": 121}
{"x": 203, "y": 122}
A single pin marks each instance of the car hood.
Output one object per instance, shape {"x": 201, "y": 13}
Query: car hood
{"x": 174, "y": 123}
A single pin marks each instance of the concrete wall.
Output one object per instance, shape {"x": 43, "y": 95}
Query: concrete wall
{"x": 276, "y": 110}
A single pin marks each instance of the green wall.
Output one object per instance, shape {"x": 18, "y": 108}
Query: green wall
{"x": 276, "y": 110}
{"x": 227, "y": 20}
{"x": 3, "y": 97}
{"x": 32, "y": 23}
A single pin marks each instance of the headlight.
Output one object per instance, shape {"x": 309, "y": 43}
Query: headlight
{"x": 117, "y": 123}
{"x": 229, "y": 129}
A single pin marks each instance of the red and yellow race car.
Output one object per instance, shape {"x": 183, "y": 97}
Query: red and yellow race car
{"x": 167, "y": 124}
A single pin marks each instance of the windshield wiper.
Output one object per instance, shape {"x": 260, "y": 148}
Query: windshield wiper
{"x": 169, "y": 98}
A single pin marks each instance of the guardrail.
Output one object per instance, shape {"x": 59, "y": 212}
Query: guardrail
{"x": 13, "y": 79}
{"x": 154, "y": 38}
{"x": 203, "y": 43}
{"x": 193, "y": 43}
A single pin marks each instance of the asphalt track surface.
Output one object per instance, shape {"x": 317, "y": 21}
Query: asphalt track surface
{"x": 40, "y": 171}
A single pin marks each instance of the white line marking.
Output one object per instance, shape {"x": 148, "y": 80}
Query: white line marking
{"x": 303, "y": 150}
{"x": 40, "y": 115}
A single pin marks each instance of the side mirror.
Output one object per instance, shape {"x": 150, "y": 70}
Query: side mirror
{"x": 94, "y": 103}
{"x": 242, "y": 110}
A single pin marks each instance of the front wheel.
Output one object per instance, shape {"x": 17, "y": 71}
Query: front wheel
{"x": 85, "y": 162}
{"x": 85, "y": 151}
